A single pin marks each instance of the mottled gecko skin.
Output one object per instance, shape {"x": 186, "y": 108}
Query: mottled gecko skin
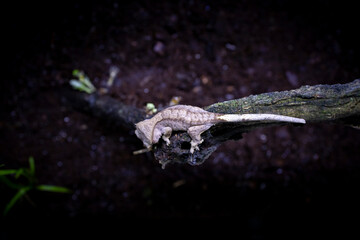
{"x": 195, "y": 121}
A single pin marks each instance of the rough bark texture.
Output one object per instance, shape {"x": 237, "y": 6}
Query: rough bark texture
{"x": 339, "y": 103}
{"x": 313, "y": 103}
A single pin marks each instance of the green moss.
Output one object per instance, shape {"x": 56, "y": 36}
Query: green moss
{"x": 313, "y": 103}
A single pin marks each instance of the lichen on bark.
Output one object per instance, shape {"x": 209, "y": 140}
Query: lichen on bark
{"x": 313, "y": 103}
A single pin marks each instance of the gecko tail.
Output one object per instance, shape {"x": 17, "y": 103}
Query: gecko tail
{"x": 259, "y": 117}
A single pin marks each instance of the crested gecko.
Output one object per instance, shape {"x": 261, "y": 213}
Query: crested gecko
{"x": 195, "y": 121}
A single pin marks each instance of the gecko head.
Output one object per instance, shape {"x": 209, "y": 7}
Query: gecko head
{"x": 143, "y": 132}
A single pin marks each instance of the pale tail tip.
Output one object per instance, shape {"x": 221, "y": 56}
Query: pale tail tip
{"x": 300, "y": 120}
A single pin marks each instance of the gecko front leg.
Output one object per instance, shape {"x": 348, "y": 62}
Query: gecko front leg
{"x": 166, "y": 131}
{"x": 195, "y": 134}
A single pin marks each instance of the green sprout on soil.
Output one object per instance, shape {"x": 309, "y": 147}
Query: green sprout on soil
{"x": 150, "y": 108}
{"x": 28, "y": 182}
{"x": 83, "y": 83}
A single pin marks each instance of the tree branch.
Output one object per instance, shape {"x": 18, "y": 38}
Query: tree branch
{"x": 104, "y": 107}
{"x": 339, "y": 103}
{"x": 313, "y": 103}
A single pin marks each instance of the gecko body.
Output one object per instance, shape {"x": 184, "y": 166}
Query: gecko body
{"x": 194, "y": 121}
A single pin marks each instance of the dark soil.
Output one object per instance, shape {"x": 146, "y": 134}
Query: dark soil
{"x": 204, "y": 52}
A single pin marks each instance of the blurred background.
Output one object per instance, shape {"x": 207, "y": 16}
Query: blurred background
{"x": 202, "y": 52}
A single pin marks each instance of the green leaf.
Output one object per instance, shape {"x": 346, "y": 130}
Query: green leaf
{"x": 7, "y": 172}
{"x": 81, "y": 76}
{"x": 52, "y": 188}
{"x": 83, "y": 83}
{"x": 17, "y": 196}
{"x": 80, "y": 86}
{"x": 32, "y": 165}
{"x": 150, "y": 107}
{"x": 19, "y": 172}
{"x": 88, "y": 84}
{"x": 76, "y": 84}
{"x": 9, "y": 183}
{"x": 76, "y": 72}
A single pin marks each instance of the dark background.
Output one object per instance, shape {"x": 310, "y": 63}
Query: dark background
{"x": 209, "y": 51}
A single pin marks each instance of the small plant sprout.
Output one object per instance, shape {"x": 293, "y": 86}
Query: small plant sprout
{"x": 83, "y": 83}
{"x": 150, "y": 109}
{"x": 113, "y": 73}
{"x": 23, "y": 180}
{"x": 175, "y": 100}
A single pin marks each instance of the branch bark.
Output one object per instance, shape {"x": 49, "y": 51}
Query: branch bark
{"x": 339, "y": 103}
{"x": 104, "y": 107}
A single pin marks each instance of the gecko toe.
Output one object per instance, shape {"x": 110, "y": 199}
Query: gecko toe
{"x": 193, "y": 148}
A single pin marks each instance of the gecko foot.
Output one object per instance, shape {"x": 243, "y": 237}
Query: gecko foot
{"x": 194, "y": 145}
{"x": 166, "y": 139}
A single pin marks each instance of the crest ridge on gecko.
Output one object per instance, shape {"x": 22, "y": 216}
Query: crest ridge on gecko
{"x": 194, "y": 121}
